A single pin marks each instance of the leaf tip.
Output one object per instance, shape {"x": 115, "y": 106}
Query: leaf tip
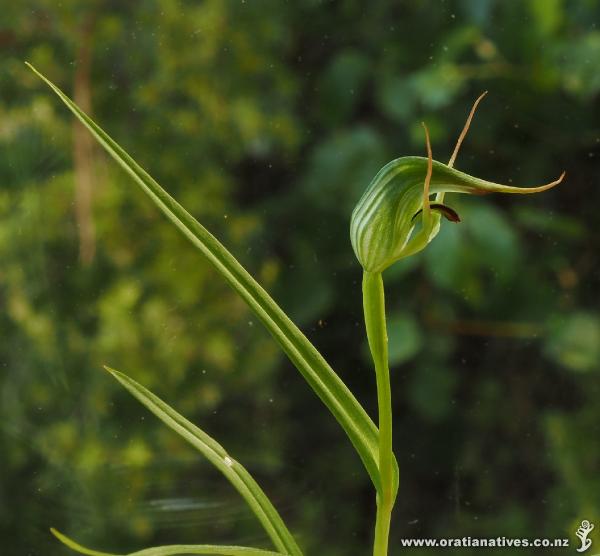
{"x": 62, "y": 538}
{"x": 110, "y": 371}
{"x": 76, "y": 547}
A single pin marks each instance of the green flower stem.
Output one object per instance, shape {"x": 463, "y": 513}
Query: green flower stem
{"x": 374, "y": 309}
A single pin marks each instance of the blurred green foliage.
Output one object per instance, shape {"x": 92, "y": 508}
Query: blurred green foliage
{"x": 267, "y": 120}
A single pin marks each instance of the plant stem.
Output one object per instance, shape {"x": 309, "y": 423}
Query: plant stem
{"x": 374, "y": 309}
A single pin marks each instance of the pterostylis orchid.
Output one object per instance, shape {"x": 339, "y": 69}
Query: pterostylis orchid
{"x": 395, "y": 218}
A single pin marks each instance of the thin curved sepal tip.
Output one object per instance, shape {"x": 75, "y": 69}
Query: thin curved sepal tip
{"x": 465, "y": 129}
{"x": 522, "y": 190}
{"x": 550, "y": 185}
{"x": 426, "y": 205}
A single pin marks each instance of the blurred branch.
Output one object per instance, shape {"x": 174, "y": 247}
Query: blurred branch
{"x": 7, "y": 38}
{"x": 83, "y": 147}
{"x": 486, "y": 328}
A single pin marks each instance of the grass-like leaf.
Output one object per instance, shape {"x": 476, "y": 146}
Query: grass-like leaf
{"x": 320, "y": 376}
{"x": 171, "y": 550}
{"x": 217, "y": 455}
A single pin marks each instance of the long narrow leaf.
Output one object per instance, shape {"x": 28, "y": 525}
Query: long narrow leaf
{"x": 320, "y": 376}
{"x": 171, "y": 550}
{"x": 216, "y": 454}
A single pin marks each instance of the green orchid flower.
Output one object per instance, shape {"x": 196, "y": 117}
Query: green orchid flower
{"x": 395, "y": 217}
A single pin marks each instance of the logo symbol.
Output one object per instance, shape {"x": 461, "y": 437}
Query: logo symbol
{"x": 582, "y": 534}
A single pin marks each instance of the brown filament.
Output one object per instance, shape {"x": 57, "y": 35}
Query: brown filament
{"x": 463, "y": 133}
{"x": 426, "y": 207}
